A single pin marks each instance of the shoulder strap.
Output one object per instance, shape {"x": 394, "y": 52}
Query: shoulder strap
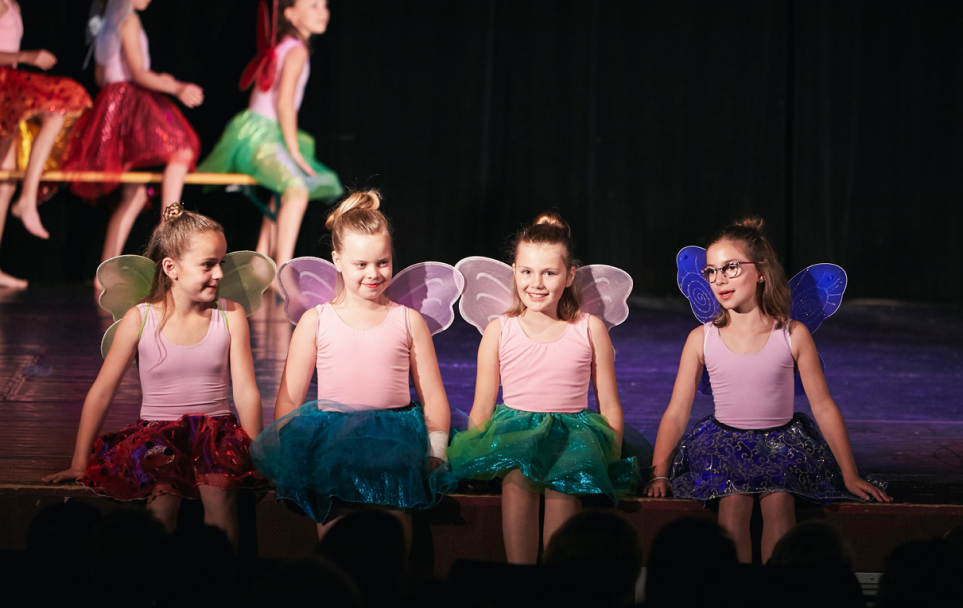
{"x": 143, "y": 322}
{"x": 223, "y": 314}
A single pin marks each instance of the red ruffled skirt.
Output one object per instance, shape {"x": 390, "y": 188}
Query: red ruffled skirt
{"x": 129, "y": 127}
{"x": 24, "y": 95}
{"x": 173, "y": 457}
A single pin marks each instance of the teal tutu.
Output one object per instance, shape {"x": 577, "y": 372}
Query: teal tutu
{"x": 253, "y": 144}
{"x": 375, "y": 457}
{"x": 573, "y": 454}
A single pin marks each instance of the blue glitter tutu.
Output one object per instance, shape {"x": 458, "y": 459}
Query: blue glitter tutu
{"x": 717, "y": 460}
{"x": 573, "y": 454}
{"x": 371, "y": 457}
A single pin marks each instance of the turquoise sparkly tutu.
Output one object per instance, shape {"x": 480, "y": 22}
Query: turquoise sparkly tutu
{"x": 573, "y": 454}
{"x": 253, "y": 144}
{"x": 371, "y": 457}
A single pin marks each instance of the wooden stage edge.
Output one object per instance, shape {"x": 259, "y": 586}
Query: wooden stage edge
{"x": 468, "y": 526}
{"x": 136, "y": 177}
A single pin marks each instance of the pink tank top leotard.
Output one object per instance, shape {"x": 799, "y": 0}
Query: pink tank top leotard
{"x": 266, "y": 103}
{"x": 11, "y": 29}
{"x": 751, "y": 391}
{"x": 116, "y": 68}
{"x": 364, "y": 368}
{"x": 177, "y": 380}
{"x": 545, "y": 376}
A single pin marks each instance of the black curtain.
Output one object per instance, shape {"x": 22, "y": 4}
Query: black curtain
{"x": 648, "y": 125}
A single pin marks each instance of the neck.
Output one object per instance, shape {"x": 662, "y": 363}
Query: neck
{"x": 748, "y": 318}
{"x": 352, "y": 301}
{"x": 541, "y": 317}
{"x": 182, "y": 305}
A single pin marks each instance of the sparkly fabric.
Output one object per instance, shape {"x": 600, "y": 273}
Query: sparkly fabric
{"x": 371, "y": 457}
{"x": 573, "y": 454}
{"x": 716, "y": 460}
{"x": 25, "y": 95}
{"x": 254, "y": 145}
{"x": 172, "y": 457}
{"x": 128, "y": 127}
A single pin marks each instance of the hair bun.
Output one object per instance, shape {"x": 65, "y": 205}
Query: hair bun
{"x": 553, "y": 219}
{"x": 174, "y": 210}
{"x": 363, "y": 199}
{"x": 753, "y": 222}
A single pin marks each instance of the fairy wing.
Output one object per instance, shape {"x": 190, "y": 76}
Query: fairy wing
{"x": 817, "y": 292}
{"x": 689, "y": 262}
{"x": 605, "y": 292}
{"x": 247, "y": 275}
{"x": 126, "y": 280}
{"x": 431, "y": 288}
{"x": 306, "y": 282}
{"x": 263, "y": 68}
{"x": 488, "y": 290}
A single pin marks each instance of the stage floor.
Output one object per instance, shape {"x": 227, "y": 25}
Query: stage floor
{"x": 896, "y": 372}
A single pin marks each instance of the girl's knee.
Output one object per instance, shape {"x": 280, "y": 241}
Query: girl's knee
{"x": 182, "y": 157}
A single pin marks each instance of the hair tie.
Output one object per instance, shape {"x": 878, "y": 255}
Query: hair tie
{"x": 174, "y": 210}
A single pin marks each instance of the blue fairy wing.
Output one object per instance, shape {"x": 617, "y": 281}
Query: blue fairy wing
{"x": 488, "y": 290}
{"x": 306, "y": 282}
{"x": 605, "y": 292}
{"x": 689, "y": 263}
{"x": 817, "y": 292}
{"x": 126, "y": 280}
{"x": 431, "y": 288}
{"x": 247, "y": 275}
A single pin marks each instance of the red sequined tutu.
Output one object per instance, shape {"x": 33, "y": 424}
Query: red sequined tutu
{"x": 129, "y": 127}
{"x": 173, "y": 457}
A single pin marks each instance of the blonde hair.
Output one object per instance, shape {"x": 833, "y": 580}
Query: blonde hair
{"x": 357, "y": 214}
{"x": 550, "y": 229}
{"x": 772, "y": 293}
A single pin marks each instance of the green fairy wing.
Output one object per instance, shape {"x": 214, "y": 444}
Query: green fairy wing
{"x": 126, "y": 280}
{"x": 247, "y": 275}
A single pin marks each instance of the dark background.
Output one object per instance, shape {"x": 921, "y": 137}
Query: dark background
{"x": 648, "y": 124}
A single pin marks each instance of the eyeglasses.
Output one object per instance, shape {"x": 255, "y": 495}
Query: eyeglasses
{"x": 731, "y": 270}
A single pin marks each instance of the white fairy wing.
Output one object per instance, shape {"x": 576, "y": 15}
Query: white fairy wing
{"x": 605, "y": 292}
{"x": 817, "y": 293}
{"x": 431, "y": 288}
{"x": 306, "y": 282}
{"x": 488, "y": 290}
{"x": 247, "y": 275}
{"x": 126, "y": 280}
{"x": 689, "y": 262}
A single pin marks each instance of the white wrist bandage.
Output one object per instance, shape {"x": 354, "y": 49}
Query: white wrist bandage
{"x": 439, "y": 445}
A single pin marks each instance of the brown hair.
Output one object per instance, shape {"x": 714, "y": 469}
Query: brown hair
{"x": 550, "y": 229}
{"x": 285, "y": 27}
{"x": 772, "y": 293}
{"x": 357, "y": 214}
{"x": 173, "y": 238}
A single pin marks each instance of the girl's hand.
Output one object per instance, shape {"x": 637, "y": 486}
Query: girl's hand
{"x": 70, "y": 474}
{"x": 43, "y": 59}
{"x": 865, "y": 490}
{"x": 658, "y": 488}
{"x": 190, "y": 95}
{"x": 299, "y": 161}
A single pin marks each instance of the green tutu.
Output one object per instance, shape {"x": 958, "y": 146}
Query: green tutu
{"x": 574, "y": 454}
{"x": 253, "y": 144}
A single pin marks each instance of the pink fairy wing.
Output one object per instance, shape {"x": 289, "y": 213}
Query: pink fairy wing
{"x": 306, "y": 282}
{"x": 488, "y": 290}
{"x": 605, "y": 292}
{"x": 431, "y": 288}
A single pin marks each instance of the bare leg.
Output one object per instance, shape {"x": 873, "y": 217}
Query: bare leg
{"x": 559, "y": 508}
{"x": 173, "y": 184}
{"x": 267, "y": 240}
{"x": 519, "y": 519}
{"x": 133, "y": 197}
{"x": 26, "y": 206}
{"x": 220, "y": 509}
{"x": 734, "y": 514}
{"x": 165, "y": 507}
{"x": 7, "y": 161}
{"x": 778, "y": 517}
{"x": 294, "y": 202}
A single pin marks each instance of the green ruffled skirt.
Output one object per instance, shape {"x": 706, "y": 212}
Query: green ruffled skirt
{"x": 574, "y": 454}
{"x": 253, "y": 144}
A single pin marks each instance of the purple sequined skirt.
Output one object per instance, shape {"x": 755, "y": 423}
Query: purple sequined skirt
{"x": 717, "y": 460}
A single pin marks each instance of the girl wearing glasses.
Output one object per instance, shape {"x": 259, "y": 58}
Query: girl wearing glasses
{"x": 754, "y": 445}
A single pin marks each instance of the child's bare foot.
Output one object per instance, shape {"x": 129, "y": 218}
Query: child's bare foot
{"x": 11, "y": 282}
{"x": 30, "y": 218}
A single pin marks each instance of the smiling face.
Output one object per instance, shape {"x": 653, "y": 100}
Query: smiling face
{"x": 197, "y": 273}
{"x": 365, "y": 265}
{"x": 309, "y": 17}
{"x": 741, "y": 292}
{"x": 541, "y": 276}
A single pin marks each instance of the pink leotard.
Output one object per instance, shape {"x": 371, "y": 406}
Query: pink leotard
{"x": 751, "y": 391}
{"x": 545, "y": 376}
{"x": 177, "y": 380}
{"x": 363, "y": 368}
{"x": 266, "y": 103}
{"x": 11, "y": 29}
{"x": 116, "y": 68}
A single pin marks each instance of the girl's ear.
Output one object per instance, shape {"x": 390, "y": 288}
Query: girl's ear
{"x": 337, "y": 260}
{"x": 170, "y": 268}
{"x": 571, "y": 277}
